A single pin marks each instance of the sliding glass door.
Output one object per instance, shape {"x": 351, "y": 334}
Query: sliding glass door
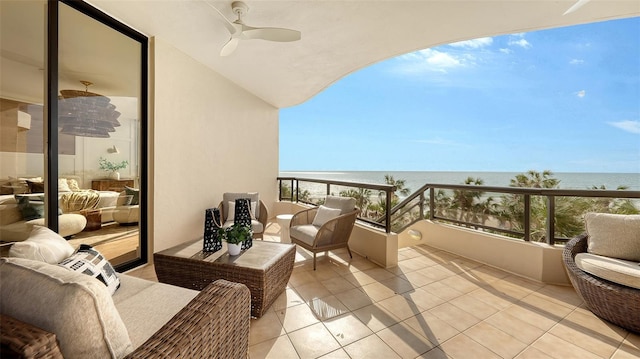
{"x": 95, "y": 118}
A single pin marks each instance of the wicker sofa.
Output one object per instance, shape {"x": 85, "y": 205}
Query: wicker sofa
{"x": 616, "y": 303}
{"x": 50, "y": 312}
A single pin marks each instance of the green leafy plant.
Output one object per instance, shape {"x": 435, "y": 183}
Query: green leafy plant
{"x": 106, "y": 165}
{"x": 235, "y": 234}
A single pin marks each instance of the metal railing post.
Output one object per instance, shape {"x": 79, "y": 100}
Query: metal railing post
{"x": 297, "y": 190}
{"x": 388, "y": 212}
{"x": 527, "y": 217}
{"x": 432, "y": 203}
{"x": 422, "y": 205}
{"x": 551, "y": 220}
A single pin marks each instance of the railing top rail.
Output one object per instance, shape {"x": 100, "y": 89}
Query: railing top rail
{"x": 540, "y": 191}
{"x": 379, "y": 187}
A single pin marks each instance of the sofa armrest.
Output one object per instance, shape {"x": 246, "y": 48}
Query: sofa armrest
{"x": 215, "y": 324}
{"x": 22, "y": 340}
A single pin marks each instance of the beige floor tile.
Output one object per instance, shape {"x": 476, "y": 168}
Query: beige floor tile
{"x": 398, "y": 285}
{"x": 360, "y": 279}
{"x": 423, "y": 299}
{"x": 590, "y": 334}
{"x": 328, "y": 307}
{"x": 337, "y": 284}
{"x": 523, "y": 282}
{"x": 324, "y": 273}
{"x": 301, "y": 277}
{"x": 288, "y": 298}
{"x": 411, "y": 265}
{"x": 548, "y": 308}
{"x": 563, "y": 295}
{"x": 431, "y": 327}
{"x": 441, "y": 290}
{"x": 354, "y": 299}
{"x": 347, "y": 329}
{"x": 533, "y": 353}
{"x": 494, "y": 298}
{"x": 379, "y": 274}
{"x": 462, "y": 284}
{"x": 371, "y": 347}
{"x": 416, "y": 279}
{"x": 488, "y": 274}
{"x": 375, "y": 317}
{"x": 265, "y": 328}
{"x": 511, "y": 290}
{"x": 377, "y": 291}
{"x": 435, "y": 353}
{"x": 627, "y": 351}
{"x": 520, "y": 329}
{"x": 472, "y": 305}
{"x": 294, "y": 318}
{"x": 277, "y": 348}
{"x": 532, "y": 315}
{"x": 435, "y": 272}
{"x": 561, "y": 349}
{"x": 495, "y": 339}
{"x": 311, "y": 291}
{"x": 313, "y": 341}
{"x": 401, "y": 307}
{"x": 463, "y": 347}
{"x": 405, "y": 341}
{"x": 454, "y": 316}
{"x": 336, "y": 354}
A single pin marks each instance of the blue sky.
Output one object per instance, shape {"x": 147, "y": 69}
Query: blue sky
{"x": 566, "y": 99}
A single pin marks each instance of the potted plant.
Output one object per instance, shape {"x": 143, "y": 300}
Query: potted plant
{"x": 112, "y": 167}
{"x": 234, "y": 236}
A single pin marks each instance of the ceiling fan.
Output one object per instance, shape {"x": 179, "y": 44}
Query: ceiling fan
{"x": 240, "y": 31}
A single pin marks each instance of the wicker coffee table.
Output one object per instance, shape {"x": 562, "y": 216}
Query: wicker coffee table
{"x": 265, "y": 268}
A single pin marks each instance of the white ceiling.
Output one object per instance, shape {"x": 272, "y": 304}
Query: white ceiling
{"x": 339, "y": 37}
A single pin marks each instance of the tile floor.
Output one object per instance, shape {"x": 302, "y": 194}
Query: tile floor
{"x": 434, "y": 304}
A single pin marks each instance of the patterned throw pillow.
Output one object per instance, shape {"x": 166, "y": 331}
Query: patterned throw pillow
{"x": 135, "y": 193}
{"x": 89, "y": 261}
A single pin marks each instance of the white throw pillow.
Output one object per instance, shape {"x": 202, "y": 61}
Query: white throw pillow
{"x": 253, "y": 210}
{"x": 613, "y": 235}
{"x": 43, "y": 245}
{"x": 63, "y": 186}
{"x": 324, "y": 215}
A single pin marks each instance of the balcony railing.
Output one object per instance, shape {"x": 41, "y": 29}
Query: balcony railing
{"x": 464, "y": 205}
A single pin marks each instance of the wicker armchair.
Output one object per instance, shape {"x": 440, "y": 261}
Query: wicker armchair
{"x": 215, "y": 324}
{"x": 333, "y": 234}
{"x": 610, "y": 301}
{"x": 263, "y": 213}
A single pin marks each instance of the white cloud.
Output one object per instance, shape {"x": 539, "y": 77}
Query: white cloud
{"x": 576, "y": 62}
{"x": 433, "y": 60}
{"x": 474, "y": 44}
{"x": 506, "y": 51}
{"x": 519, "y": 40}
{"x": 627, "y": 125}
{"x": 581, "y": 93}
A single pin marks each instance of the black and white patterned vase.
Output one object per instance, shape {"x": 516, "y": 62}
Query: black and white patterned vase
{"x": 212, "y": 242}
{"x": 242, "y": 216}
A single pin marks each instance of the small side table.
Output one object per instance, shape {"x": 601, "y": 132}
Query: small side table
{"x": 94, "y": 219}
{"x": 283, "y": 221}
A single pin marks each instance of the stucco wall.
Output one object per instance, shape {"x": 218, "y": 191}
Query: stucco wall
{"x": 208, "y": 136}
{"x": 537, "y": 261}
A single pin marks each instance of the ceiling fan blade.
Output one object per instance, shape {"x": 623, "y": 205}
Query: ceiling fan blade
{"x": 271, "y": 34}
{"x": 229, "y": 47}
{"x": 228, "y": 24}
{"x": 575, "y": 6}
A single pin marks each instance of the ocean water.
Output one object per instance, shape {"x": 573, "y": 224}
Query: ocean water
{"x": 416, "y": 179}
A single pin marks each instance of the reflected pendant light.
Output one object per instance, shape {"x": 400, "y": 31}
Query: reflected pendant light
{"x": 87, "y": 114}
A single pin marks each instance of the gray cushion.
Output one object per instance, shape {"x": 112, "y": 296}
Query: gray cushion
{"x": 231, "y": 197}
{"x": 146, "y": 306}
{"x": 324, "y": 215}
{"x": 615, "y": 270}
{"x": 345, "y": 204}
{"x": 613, "y": 235}
{"x": 305, "y": 233}
{"x": 74, "y": 306}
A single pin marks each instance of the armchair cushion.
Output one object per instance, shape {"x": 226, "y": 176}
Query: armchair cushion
{"x": 612, "y": 269}
{"x": 614, "y": 235}
{"x": 325, "y": 214}
{"x": 305, "y": 233}
{"x": 61, "y": 301}
{"x": 42, "y": 245}
{"x": 345, "y": 204}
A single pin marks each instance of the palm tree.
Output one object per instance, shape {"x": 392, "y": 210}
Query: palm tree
{"x": 362, "y": 197}
{"x": 465, "y": 200}
{"x": 400, "y": 188}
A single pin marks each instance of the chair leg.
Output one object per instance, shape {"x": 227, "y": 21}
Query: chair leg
{"x": 314, "y": 261}
{"x": 349, "y": 250}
